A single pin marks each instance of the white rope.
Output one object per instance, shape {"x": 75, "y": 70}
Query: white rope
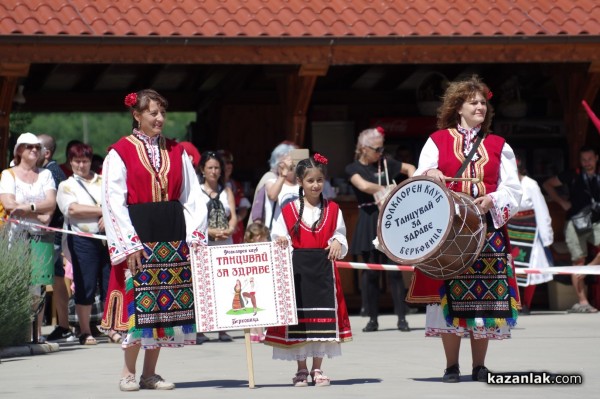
{"x": 574, "y": 269}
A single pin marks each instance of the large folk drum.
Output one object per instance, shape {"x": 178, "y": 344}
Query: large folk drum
{"x": 424, "y": 224}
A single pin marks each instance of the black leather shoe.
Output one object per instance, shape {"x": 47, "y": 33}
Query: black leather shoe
{"x": 371, "y": 326}
{"x": 480, "y": 373}
{"x": 403, "y": 325}
{"x": 451, "y": 374}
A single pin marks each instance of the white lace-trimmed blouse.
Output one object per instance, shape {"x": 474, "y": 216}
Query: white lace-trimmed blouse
{"x": 310, "y": 216}
{"x": 71, "y": 192}
{"x": 26, "y": 193}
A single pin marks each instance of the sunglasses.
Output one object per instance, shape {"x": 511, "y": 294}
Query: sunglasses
{"x": 378, "y": 149}
{"x": 31, "y": 147}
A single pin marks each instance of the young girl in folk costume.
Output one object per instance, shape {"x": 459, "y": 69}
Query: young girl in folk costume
{"x": 317, "y": 232}
{"x": 255, "y": 232}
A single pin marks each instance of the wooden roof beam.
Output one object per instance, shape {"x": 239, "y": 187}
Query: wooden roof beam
{"x": 9, "y": 79}
{"x": 14, "y": 70}
{"x": 313, "y": 70}
{"x": 299, "y": 87}
{"x": 575, "y": 84}
{"x": 590, "y": 92}
{"x": 298, "y": 54}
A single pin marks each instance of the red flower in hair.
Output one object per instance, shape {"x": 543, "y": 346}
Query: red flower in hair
{"x": 131, "y": 99}
{"x": 489, "y": 95}
{"x": 380, "y": 130}
{"x": 320, "y": 159}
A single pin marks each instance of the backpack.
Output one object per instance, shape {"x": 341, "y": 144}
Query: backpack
{"x": 217, "y": 218}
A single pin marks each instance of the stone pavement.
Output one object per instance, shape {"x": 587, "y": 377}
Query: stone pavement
{"x": 383, "y": 364}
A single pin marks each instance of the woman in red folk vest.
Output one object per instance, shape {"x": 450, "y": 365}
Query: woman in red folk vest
{"x": 481, "y": 303}
{"x": 152, "y": 212}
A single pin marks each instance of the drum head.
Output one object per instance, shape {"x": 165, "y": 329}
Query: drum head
{"x": 415, "y": 220}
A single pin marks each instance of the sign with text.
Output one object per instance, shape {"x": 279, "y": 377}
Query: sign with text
{"x": 415, "y": 220}
{"x": 243, "y": 286}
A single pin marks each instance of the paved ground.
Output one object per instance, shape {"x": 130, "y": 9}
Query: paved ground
{"x": 384, "y": 364}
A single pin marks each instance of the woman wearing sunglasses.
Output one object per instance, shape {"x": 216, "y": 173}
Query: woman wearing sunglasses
{"x": 366, "y": 174}
{"x": 28, "y": 193}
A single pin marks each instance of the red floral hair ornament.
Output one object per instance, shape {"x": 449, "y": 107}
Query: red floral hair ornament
{"x": 320, "y": 159}
{"x": 131, "y": 99}
{"x": 380, "y": 130}
{"x": 489, "y": 95}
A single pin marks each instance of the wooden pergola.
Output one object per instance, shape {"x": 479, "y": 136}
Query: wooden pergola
{"x": 575, "y": 63}
{"x": 253, "y": 72}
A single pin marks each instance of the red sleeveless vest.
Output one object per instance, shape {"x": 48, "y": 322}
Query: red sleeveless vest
{"x": 306, "y": 238}
{"x": 450, "y": 145}
{"x": 144, "y": 184}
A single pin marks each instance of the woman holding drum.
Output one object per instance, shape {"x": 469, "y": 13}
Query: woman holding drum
{"x": 366, "y": 176}
{"x": 481, "y": 301}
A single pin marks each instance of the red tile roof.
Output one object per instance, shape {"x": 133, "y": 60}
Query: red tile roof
{"x": 300, "y": 18}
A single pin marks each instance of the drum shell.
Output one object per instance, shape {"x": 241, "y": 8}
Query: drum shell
{"x": 461, "y": 243}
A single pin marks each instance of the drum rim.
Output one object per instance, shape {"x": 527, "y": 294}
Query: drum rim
{"x": 380, "y": 216}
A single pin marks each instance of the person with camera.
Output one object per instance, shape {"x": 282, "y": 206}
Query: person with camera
{"x": 583, "y": 217}
{"x": 281, "y": 189}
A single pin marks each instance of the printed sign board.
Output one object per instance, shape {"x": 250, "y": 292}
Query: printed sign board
{"x": 415, "y": 220}
{"x": 243, "y": 286}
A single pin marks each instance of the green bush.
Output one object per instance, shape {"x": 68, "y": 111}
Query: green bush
{"x": 15, "y": 296}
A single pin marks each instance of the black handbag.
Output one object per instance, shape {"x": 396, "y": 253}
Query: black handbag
{"x": 582, "y": 220}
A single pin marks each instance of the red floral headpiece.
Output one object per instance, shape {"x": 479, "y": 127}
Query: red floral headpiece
{"x": 380, "y": 130}
{"x": 320, "y": 159}
{"x": 131, "y": 99}
{"x": 489, "y": 95}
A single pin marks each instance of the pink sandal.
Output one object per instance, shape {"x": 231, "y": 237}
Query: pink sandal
{"x": 319, "y": 379}
{"x": 301, "y": 378}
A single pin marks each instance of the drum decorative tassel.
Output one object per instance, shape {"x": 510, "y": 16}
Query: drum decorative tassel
{"x": 424, "y": 224}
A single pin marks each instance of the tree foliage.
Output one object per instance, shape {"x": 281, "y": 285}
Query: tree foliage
{"x": 97, "y": 129}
